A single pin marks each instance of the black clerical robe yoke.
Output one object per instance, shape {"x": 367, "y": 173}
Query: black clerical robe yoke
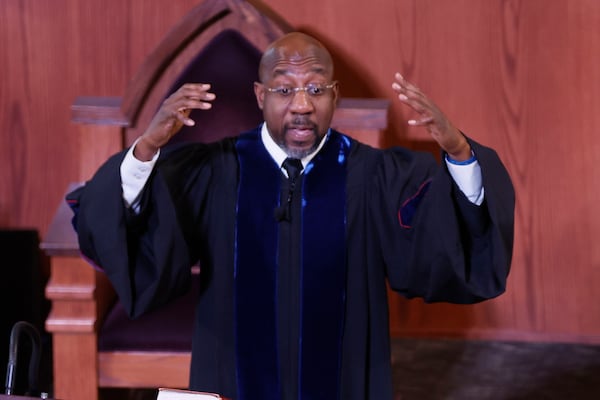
{"x": 297, "y": 308}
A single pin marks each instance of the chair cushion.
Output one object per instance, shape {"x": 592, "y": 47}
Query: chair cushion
{"x": 168, "y": 328}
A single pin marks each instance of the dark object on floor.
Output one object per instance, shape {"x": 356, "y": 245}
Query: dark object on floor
{"x": 23, "y": 275}
{"x": 20, "y": 329}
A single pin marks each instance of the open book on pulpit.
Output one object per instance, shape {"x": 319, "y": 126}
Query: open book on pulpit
{"x": 182, "y": 394}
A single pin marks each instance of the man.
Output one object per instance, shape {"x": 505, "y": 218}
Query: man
{"x": 295, "y": 258}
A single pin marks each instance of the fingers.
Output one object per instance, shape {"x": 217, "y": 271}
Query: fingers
{"x": 175, "y": 111}
{"x": 194, "y": 95}
{"x": 409, "y": 94}
{"x": 421, "y": 122}
{"x": 183, "y": 115}
{"x": 432, "y": 118}
{"x": 405, "y": 86}
{"x": 412, "y": 96}
{"x": 191, "y": 96}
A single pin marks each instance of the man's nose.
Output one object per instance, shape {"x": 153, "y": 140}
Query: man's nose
{"x": 301, "y": 102}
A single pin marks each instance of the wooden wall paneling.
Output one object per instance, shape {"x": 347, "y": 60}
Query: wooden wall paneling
{"x": 52, "y": 52}
{"x": 582, "y": 128}
{"x": 553, "y": 249}
{"x": 479, "y": 89}
{"x": 29, "y": 61}
{"x": 567, "y": 155}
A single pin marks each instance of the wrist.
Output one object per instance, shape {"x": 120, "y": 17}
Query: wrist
{"x": 456, "y": 145}
{"x": 462, "y": 161}
{"x": 461, "y": 151}
{"x": 143, "y": 150}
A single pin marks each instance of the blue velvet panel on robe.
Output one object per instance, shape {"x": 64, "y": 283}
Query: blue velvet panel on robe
{"x": 322, "y": 276}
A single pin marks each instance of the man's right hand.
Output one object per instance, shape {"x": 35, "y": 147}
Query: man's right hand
{"x": 172, "y": 115}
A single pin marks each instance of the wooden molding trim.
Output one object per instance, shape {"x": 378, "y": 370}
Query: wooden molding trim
{"x": 350, "y": 113}
{"x": 144, "y": 369}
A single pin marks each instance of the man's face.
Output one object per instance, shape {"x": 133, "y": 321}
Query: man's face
{"x": 297, "y": 96}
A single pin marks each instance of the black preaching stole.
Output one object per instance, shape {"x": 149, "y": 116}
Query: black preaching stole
{"x": 290, "y": 269}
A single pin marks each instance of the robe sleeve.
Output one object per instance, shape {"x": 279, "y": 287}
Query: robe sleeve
{"x": 436, "y": 244}
{"x": 147, "y": 256}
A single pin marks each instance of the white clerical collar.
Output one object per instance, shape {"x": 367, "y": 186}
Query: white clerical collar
{"x": 277, "y": 152}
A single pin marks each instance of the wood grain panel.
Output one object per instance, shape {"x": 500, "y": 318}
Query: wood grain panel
{"x": 521, "y": 76}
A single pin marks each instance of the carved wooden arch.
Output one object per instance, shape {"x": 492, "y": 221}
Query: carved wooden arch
{"x": 199, "y": 27}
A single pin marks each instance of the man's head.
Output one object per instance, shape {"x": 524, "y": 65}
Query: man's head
{"x": 296, "y": 92}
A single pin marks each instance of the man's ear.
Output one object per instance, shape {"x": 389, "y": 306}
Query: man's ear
{"x": 259, "y": 92}
{"x": 336, "y": 94}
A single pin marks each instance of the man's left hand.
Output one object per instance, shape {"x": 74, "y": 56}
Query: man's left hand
{"x": 450, "y": 139}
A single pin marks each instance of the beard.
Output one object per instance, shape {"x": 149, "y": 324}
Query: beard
{"x": 296, "y": 148}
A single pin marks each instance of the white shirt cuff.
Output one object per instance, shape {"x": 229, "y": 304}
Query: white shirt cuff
{"x": 134, "y": 175}
{"x": 468, "y": 179}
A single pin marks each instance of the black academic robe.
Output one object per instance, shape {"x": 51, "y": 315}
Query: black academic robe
{"x": 406, "y": 222}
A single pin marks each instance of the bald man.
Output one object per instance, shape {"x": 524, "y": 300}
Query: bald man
{"x": 297, "y": 228}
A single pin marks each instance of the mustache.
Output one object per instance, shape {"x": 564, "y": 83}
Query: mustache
{"x": 301, "y": 122}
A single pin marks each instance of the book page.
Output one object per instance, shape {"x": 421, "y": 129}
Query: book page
{"x": 182, "y": 394}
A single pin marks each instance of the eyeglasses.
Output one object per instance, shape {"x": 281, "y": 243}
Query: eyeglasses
{"x": 312, "y": 89}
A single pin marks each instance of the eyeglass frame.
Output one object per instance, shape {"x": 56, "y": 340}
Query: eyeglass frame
{"x": 305, "y": 89}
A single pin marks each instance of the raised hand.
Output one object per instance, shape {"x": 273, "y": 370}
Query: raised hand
{"x": 172, "y": 115}
{"x": 450, "y": 139}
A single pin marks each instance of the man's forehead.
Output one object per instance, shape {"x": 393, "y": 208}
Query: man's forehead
{"x": 293, "y": 52}
{"x": 295, "y": 55}
{"x": 286, "y": 65}
{"x": 285, "y": 60}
